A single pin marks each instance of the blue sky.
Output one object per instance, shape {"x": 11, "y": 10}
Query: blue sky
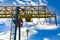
{"x": 47, "y": 34}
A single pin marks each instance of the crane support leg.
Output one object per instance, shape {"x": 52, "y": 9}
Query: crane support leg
{"x": 16, "y": 22}
{"x": 56, "y": 20}
{"x": 19, "y": 33}
{"x": 15, "y": 33}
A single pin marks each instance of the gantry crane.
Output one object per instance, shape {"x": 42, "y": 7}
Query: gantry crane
{"x": 26, "y": 12}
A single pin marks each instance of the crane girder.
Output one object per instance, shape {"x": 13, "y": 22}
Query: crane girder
{"x": 28, "y": 15}
{"x": 25, "y": 12}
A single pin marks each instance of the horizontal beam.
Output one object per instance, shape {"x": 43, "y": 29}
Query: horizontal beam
{"x": 22, "y": 6}
{"x": 28, "y": 15}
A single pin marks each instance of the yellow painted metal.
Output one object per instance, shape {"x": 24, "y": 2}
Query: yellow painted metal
{"x": 9, "y": 12}
{"x": 28, "y": 15}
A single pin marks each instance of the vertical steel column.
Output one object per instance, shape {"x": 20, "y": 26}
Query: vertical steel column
{"x": 27, "y": 33}
{"x": 16, "y": 22}
{"x": 19, "y": 33}
{"x": 56, "y": 20}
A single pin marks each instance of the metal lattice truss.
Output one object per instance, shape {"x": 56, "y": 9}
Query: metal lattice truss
{"x": 26, "y": 12}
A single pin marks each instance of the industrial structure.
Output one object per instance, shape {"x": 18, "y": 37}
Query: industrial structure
{"x": 17, "y": 13}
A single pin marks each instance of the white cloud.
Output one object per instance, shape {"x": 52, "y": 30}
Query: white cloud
{"x": 27, "y": 0}
{"x": 23, "y": 30}
{"x": 58, "y": 34}
{"x": 45, "y": 1}
{"x": 58, "y": 17}
{"x": 6, "y": 21}
{"x": 33, "y": 3}
{"x": 45, "y": 26}
{"x": 42, "y": 3}
{"x": 2, "y": 0}
{"x": 7, "y": 24}
{"x": 36, "y": 4}
{"x": 2, "y": 33}
{"x": 32, "y": 30}
{"x": 20, "y": 2}
{"x": 5, "y": 36}
{"x": 23, "y": 34}
{"x": 42, "y": 25}
{"x": 14, "y": 3}
{"x": 46, "y": 39}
